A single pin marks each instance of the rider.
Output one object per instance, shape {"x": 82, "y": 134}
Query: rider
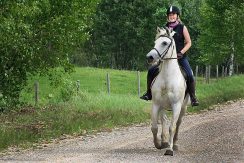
{"x": 183, "y": 43}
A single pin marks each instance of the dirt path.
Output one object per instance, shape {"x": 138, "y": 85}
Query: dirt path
{"x": 213, "y": 136}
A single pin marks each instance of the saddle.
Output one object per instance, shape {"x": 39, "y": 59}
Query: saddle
{"x": 183, "y": 71}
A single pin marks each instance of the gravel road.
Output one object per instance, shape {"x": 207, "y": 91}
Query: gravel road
{"x": 212, "y": 136}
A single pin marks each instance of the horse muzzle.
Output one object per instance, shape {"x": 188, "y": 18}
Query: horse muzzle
{"x": 151, "y": 56}
{"x": 150, "y": 59}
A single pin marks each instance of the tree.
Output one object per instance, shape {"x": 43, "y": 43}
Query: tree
{"x": 221, "y": 38}
{"x": 233, "y": 29}
{"x": 123, "y": 32}
{"x": 38, "y": 35}
{"x": 190, "y": 11}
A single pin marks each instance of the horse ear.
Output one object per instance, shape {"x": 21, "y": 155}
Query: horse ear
{"x": 167, "y": 31}
{"x": 158, "y": 29}
{"x": 170, "y": 32}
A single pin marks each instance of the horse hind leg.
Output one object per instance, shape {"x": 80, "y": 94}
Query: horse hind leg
{"x": 154, "y": 128}
{"x": 182, "y": 113}
{"x": 175, "y": 145}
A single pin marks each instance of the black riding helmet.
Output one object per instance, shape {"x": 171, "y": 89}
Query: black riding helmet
{"x": 174, "y": 10}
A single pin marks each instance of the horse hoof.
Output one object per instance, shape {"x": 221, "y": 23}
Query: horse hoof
{"x": 158, "y": 146}
{"x": 165, "y": 145}
{"x": 175, "y": 147}
{"x": 169, "y": 152}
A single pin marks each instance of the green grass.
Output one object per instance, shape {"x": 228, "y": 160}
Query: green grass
{"x": 92, "y": 108}
{"x": 122, "y": 82}
{"x": 219, "y": 91}
{"x": 92, "y": 80}
{"x": 84, "y": 112}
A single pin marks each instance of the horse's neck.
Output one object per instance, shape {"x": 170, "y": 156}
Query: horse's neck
{"x": 171, "y": 64}
{"x": 169, "y": 68}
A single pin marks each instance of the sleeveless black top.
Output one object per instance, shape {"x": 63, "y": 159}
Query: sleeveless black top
{"x": 178, "y": 36}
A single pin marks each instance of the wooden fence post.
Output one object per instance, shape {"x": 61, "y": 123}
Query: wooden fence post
{"x": 237, "y": 70}
{"x": 206, "y": 74}
{"x": 209, "y": 73}
{"x": 139, "y": 83}
{"x": 223, "y": 71}
{"x": 108, "y": 83}
{"x": 196, "y": 73}
{"x": 206, "y": 67}
{"x": 217, "y": 71}
{"x": 78, "y": 86}
{"x": 36, "y": 87}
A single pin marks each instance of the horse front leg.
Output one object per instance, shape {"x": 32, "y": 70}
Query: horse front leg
{"x": 182, "y": 113}
{"x": 165, "y": 130}
{"x": 172, "y": 129}
{"x": 154, "y": 128}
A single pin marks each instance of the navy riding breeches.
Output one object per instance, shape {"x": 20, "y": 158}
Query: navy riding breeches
{"x": 184, "y": 63}
{"x": 153, "y": 71}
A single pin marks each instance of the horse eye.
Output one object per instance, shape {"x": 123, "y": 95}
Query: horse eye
{"x": 164, "y": 43}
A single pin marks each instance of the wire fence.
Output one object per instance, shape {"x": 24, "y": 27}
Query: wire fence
{"x": 206, "y": 74}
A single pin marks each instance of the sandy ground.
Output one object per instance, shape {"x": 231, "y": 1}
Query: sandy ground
{"x": 212, "y": 136}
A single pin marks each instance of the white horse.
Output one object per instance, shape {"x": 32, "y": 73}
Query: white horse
{"x": 168, "y": 91}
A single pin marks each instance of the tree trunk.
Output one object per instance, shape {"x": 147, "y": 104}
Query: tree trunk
{"x": 232, "y": 59}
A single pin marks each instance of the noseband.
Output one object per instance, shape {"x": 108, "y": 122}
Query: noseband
{"x": 162, "y": 55}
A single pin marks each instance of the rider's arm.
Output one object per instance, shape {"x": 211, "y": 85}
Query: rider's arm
{"x": 187, "y": 40}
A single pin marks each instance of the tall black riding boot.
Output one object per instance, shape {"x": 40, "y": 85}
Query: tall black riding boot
{"x": 152, "y": 73}
{"x": 191, "y": 89}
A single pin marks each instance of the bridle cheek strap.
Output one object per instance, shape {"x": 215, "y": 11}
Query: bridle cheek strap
{"x": 162, "y": 55}
{"x": 157, "y": 52}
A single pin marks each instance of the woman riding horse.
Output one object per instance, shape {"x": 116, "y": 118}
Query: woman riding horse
{"x": 183, "y": 43}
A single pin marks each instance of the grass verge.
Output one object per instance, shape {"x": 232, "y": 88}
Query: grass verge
{"x": 84, "y": 113}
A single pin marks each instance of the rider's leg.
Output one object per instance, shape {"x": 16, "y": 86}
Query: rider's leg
{"x": 191, "y": 89}
{"x": 152, "y": 73}
{"x": 190, "y": 80}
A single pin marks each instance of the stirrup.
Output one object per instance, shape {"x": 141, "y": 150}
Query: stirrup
{"x": 194, "y": 102}
{"x": 146, "y": 97}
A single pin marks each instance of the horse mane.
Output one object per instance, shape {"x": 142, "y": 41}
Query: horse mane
{"x": 164, "y": 31}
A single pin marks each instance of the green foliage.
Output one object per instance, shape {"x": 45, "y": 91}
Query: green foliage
{"x": 123, "y": 32}
{"x": 38, "y": 35}
{"x": 234, "y": 28}
{"x": 221, "y": 31}
{"x": 68, "y": 89}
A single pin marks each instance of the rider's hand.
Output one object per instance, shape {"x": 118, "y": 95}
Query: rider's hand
{"x": 179, "y": 55}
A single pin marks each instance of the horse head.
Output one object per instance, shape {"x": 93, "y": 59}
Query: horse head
{"x": 164, "y": 40}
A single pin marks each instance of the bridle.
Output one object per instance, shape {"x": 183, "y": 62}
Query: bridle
{"x": 163, "y": 54}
